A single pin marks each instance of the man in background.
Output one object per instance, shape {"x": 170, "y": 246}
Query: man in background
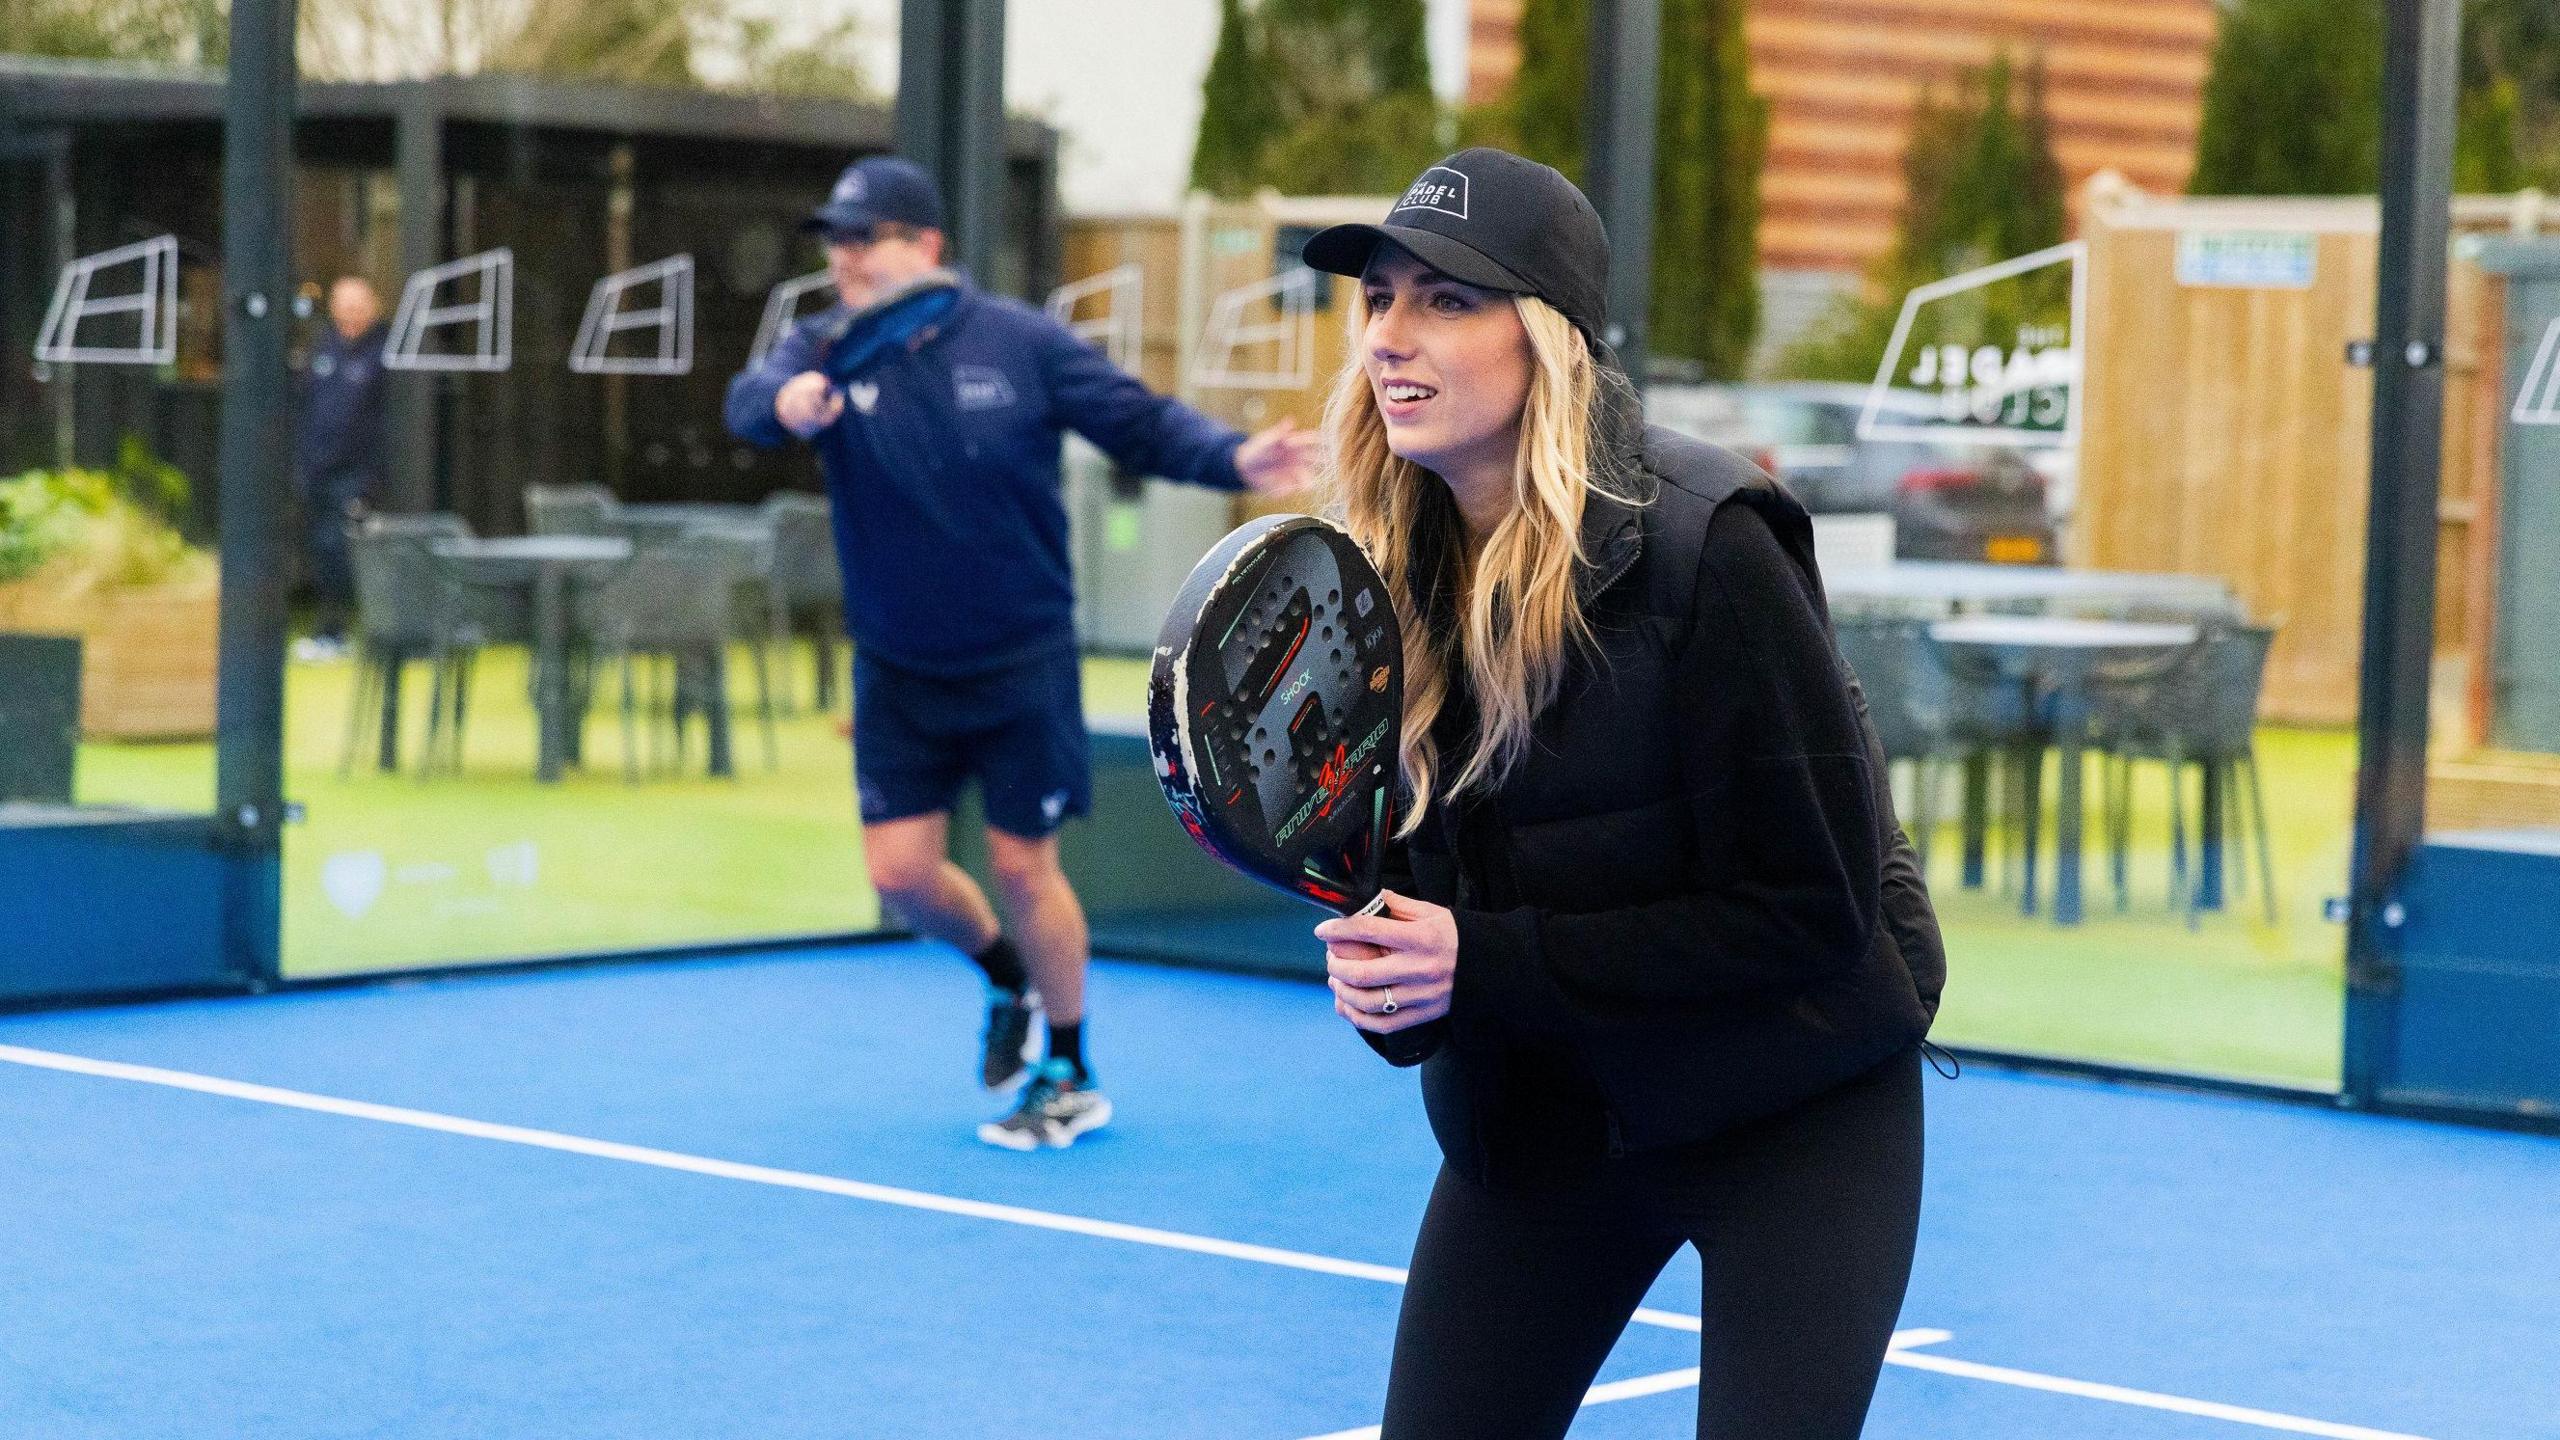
{"x": 938, "y": 411}
{"x": 338, "y": 458}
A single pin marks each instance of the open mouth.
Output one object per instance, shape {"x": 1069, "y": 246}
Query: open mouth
{"x": 1404, "y": 395}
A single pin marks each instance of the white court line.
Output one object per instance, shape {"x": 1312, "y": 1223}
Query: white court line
{"x": 1097, "y": 1229}
{"x": 2090, "y": 1390}
{"x": 699, "y": 1165}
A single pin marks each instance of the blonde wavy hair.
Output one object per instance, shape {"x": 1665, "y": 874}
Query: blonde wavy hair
{"x": 1515, "y": 610}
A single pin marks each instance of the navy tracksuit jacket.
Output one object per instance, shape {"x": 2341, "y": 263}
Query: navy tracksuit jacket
{"x": 950, "y": 519}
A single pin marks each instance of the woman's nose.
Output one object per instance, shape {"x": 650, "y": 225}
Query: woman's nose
{"x": 1387, "y": 337}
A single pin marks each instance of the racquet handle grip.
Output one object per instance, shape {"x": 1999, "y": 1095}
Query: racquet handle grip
{"x": 1377, "y": 905}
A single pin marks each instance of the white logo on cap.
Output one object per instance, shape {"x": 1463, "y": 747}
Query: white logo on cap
{"x": 849, "y": 188}
{"x": 1441, "y": 189}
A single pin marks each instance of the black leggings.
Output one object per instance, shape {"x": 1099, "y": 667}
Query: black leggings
{"x": 1804, "y": 1224}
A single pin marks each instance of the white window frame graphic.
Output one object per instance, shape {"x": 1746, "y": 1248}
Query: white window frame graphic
{"x": 782, "y": 311}
{"x": 492, "y": 316}
{"x": 1293, "y": 333}
{"x": 2064, "y": 371}
{"x": 1119, "y": 329}
{"x": 155, "y": 300}
{"x": 671, "y": 318}
{"x": 2538, "y": 401}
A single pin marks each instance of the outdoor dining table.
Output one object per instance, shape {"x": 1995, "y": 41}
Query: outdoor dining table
{"x": 657, "y": 523}
{"x": 2057, "y": 656}
{"x": 542, "y": 567}
{"x": 1960, "y": 584}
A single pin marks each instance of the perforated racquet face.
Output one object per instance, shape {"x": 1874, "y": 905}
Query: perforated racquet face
{"x": 1275, "y": 708}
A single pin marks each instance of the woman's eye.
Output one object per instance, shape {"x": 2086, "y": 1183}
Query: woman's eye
{"x": 1448, "y": 304}
{"x": 1380, "y": 300}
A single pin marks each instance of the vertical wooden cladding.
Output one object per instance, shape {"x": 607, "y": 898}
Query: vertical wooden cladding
{"x": 2224, "y": 433}
{"x": 1493, "y": 48}
{"x": 2125, "y": 85}
{"x": 2476, "y": 387}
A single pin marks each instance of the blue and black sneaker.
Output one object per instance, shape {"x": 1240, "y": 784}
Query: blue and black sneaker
{"x": 1060, "y": 1103}
{"x": 1006, "y": 1048}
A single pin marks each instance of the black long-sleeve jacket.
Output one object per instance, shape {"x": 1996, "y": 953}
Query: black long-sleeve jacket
{"x": 1692, "y": 899}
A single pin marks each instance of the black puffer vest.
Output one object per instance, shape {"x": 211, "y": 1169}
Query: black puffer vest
{"x": 1693, "y": 895}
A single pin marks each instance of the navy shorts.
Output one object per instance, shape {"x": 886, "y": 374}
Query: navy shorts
{"x": 1019, "y": 732}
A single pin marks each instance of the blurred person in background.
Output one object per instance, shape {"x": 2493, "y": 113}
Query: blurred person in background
{"x": 338, "y": 456}
{"x": 938, "y": 411}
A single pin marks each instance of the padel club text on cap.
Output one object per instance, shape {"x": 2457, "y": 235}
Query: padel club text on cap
{"x": 1492, "y": 219}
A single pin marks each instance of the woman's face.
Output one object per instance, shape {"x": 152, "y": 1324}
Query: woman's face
{"x": 1449, "y": 366}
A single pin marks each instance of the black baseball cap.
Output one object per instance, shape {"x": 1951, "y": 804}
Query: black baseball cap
{"x": 879, "y": 188}
{"x": 1494, "y": 219}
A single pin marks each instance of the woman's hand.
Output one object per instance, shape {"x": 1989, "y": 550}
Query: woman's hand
{"x": 1407, "y": 958}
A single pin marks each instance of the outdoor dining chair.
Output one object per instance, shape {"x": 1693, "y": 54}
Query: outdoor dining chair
{"x": 407, "y": 610}
{"x": 665, "y": 621}
{"x": 2201, "y": 712}
{"x": 1930, "y": 712}
{"x": 804, "y": 586}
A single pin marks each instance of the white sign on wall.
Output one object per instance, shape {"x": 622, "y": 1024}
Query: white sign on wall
{"x": 2248, "y": 259}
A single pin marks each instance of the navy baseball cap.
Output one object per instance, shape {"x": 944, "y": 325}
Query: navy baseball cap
{"x": 877, "y": 189}
{"x": 1492, "y": 219}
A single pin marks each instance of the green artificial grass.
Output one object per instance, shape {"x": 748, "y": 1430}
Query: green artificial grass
{"x": 2233, "y": 996}
{"x": 389, "y": 871}
{"x": 392, "y": 871}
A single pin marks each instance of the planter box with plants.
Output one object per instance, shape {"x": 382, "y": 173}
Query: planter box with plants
{"x": 91, "y": 555}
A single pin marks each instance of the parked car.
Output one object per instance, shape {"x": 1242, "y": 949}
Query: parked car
{"x": 1949, "y": 501}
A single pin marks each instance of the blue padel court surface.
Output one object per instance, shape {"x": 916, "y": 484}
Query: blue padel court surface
{"x": 743, "y": 1198}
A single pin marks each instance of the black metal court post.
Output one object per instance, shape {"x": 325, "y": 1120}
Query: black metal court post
{"x": 951, "y": 117}
{"x": 418, "y": 170}
{"x": 256, "y": 449}
{"x": 1618, "y": 121}
{"x": 2418, "y": 106}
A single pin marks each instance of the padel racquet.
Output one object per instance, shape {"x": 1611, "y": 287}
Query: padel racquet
{"x": 1275, "y": 708}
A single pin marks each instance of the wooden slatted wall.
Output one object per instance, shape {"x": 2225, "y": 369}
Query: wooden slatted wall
{"x": 2125, "y": 82}
{"x": 2224, "y": 433}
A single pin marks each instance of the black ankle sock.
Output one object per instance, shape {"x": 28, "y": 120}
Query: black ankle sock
{"x": 1066, "y": 1042}
{"x": 1003, "y": 966}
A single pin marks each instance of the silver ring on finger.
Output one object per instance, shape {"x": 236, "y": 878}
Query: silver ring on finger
{"x": 1390, "y": 1007}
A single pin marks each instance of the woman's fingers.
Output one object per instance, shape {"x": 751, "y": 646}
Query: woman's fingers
{"x": 1377, "y": 1024}
{"x": 1384, "y": 930}
{"x": 1402, "y": 907}
{"x": 1394, "y": 968}
{"x": 1373, "y": 1001}
{"x": 1407, "y": 956}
